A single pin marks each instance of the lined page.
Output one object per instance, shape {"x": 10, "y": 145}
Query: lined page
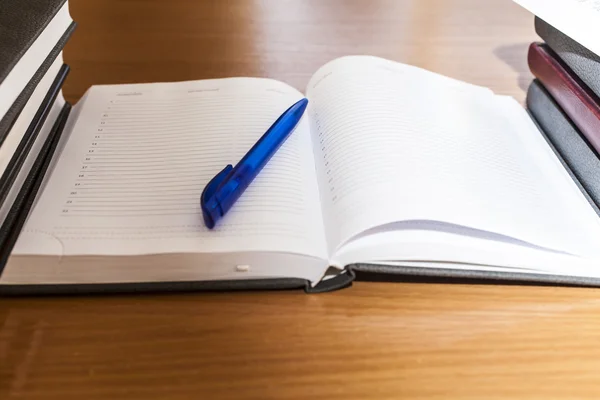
{"x": 396, "y": 143}
{"x": 130, "y": 177}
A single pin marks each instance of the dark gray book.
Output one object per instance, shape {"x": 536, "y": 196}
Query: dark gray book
{"x": 576, "y": 152}
{"x": 582, "y": 61}
{"x": 29, "y": 32}
{"x": 9, "y": 119}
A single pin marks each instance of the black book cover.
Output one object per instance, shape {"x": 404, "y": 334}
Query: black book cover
{"x": 13, "y": 113}
{"x": 21, "y": 22}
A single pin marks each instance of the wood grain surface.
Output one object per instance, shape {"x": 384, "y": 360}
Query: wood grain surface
{"x": 374, "y": 340}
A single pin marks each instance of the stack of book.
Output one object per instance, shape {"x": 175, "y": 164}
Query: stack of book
{"x": 564, "y": 100}
{"x": 564, "y": 97}
{"x": 33, "y": 34}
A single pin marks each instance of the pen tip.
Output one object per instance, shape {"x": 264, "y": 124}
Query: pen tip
{"x": 301, "y": 105}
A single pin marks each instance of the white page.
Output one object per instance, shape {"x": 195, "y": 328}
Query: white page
{"x": 396, "y": 143}
{"x": 416, "y": 244}
{"x": 578, "y": 19}
{"x": 130, "y": 176}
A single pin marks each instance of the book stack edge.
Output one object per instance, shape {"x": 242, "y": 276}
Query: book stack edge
{"x": 564, "y": 99}
{"x": 32, "y": 108}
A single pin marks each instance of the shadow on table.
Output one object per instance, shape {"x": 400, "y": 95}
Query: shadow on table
{"x": 515, "y": 56}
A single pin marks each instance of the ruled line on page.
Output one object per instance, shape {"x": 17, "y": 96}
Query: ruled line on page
{"x": 146, "y": 161}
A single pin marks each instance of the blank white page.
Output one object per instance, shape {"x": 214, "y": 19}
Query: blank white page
{"x": 130, "y": 177}
{"x": 397, "y": 143}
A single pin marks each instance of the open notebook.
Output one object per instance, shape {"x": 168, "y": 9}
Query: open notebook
{"x": 393, "y": 168}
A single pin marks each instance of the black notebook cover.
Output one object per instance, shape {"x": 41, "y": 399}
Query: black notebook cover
{"x": 11, "y": 116}
{"x": 21, "y": 22}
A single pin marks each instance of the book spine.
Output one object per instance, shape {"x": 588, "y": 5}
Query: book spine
{"x": 342, "y": 280}
{"x": 576, "y": 99}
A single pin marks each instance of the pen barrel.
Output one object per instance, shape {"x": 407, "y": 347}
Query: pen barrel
{"x": 239, "y": 178}
{"x": 259, "y": 155}
{"x": 264, "y": 149}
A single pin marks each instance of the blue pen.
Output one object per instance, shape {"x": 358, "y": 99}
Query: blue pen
{"x": 227, "y": 186}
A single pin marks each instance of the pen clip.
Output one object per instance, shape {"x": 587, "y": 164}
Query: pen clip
{"x": 208, "y": 203}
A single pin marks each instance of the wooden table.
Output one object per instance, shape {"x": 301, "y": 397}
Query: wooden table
{"x": 374, "y": 340}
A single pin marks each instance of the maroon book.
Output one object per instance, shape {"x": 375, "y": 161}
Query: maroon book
{"x": 576, "y": 99}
